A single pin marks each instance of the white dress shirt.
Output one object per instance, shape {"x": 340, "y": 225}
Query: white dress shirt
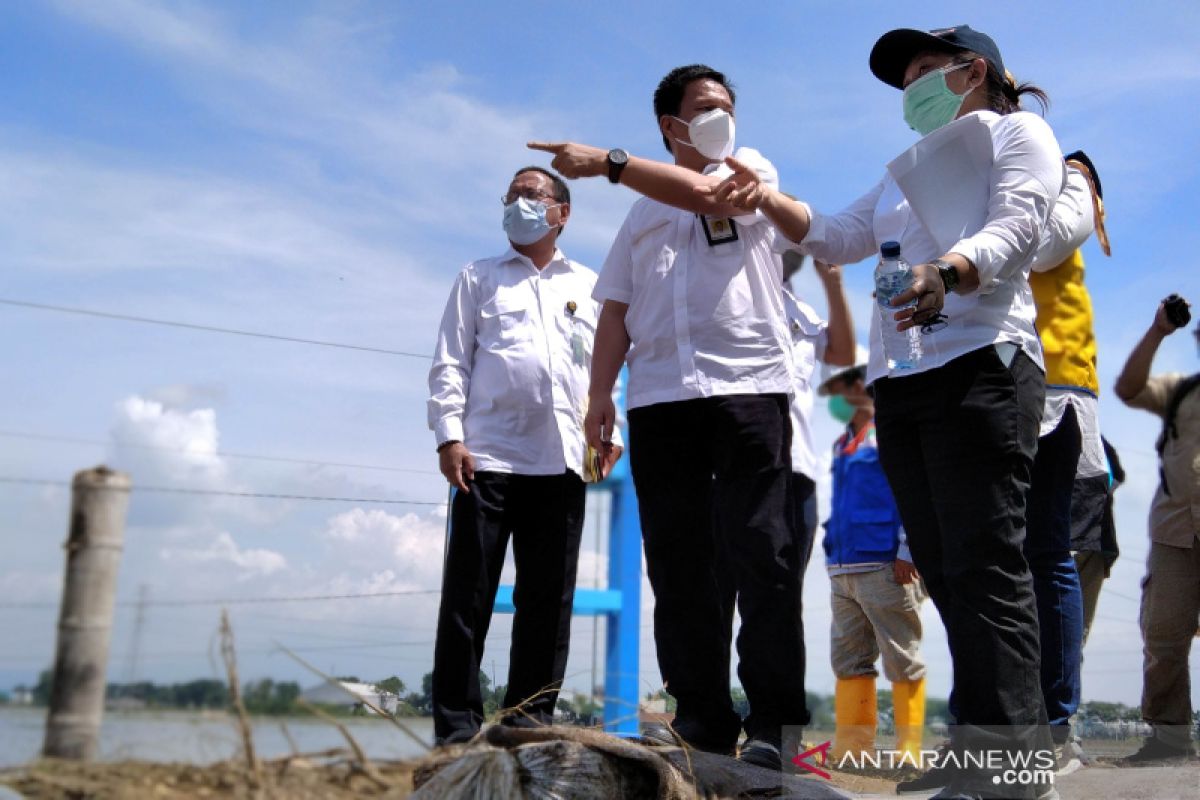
{"x": 703, "y": 319}
{"x": 809, "y": 338}
{"x": 1069, "y": 226}
{"x": 1025, "y": 180}
{"x": 513, "y": 360}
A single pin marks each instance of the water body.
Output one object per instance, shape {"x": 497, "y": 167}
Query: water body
{"x": 204, "y": 737}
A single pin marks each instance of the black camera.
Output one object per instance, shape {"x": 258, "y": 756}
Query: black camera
{"x": 1177, "y": 311}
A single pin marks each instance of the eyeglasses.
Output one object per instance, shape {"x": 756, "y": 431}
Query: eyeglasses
{"x": 538, "y": 196}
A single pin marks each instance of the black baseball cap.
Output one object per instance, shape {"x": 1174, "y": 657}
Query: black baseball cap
{"x": 896, "y": 49}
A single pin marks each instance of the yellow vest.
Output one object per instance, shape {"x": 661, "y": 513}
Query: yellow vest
{"x": 1064, "y": 322}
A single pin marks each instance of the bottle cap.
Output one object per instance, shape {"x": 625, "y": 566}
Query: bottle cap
{"x": 889, "y": 249}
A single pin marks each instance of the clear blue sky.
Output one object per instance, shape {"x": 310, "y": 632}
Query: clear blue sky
{"x": 322, "y": 170}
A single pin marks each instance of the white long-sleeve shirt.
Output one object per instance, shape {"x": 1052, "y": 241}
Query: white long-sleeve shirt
{"x": 1069, "y": 226}
{"x": 513, "y": 360}
{"x": 1025, "y": 180}
{"x": 704, "y": 319}
{"x": 810, "y": 337}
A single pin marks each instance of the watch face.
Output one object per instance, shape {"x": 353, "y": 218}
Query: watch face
{"x": 949, "y": 275}
{"x": 618, "y": 156}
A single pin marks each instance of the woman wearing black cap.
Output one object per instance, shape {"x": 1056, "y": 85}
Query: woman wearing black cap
{"x": 957, "y": 433}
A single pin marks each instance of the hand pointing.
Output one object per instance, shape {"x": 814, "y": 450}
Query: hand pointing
{"x": 573, "y": 160}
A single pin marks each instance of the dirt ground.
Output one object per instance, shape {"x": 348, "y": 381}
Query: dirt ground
{"x": 127, "y": 780}
{"x": 339, "y": 779}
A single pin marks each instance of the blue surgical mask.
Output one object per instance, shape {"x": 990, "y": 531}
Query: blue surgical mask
{"x": 525, "y": 221}
{"x": 929, "y": 103}
{"x": 840, "y": 409}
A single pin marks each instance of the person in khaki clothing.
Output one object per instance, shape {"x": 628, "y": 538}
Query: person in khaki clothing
{"x": 1171, "y": 588}
{"x": 876, "y": 594}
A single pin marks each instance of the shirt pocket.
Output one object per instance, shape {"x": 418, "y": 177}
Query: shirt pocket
{"x": 874, "y": 533}
{"x": 502, "y": 322}
{"x": 652, "y": 251}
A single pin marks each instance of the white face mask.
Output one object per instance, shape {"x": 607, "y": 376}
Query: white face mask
{"x": 711, "y": 134}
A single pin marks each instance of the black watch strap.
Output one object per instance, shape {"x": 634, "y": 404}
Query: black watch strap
{"x": 617, "y": 159}
{"x": 947, "y": 272}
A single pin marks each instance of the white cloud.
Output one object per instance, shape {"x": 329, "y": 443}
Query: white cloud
{"x": 325, "y": 89}
{"x": 110, "y": 215}
{"x": 178, "y": 445}
{"x": 403, "y": 552}
{"x": 250, "y": 562}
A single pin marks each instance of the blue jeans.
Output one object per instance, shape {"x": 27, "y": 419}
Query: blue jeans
{"x": 1055, "y": 578}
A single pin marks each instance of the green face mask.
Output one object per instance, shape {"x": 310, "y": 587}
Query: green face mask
{"x": 840, "y": 408}
{"x": 929, "y": 103}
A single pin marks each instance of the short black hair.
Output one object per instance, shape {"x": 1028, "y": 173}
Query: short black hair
{"x": 668, "y": 97}
{"x": 561, "y": 192}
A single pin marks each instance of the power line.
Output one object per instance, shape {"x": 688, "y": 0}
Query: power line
{"x": 231, "y": 601}
{"x": 42, "y": 437}
{"x": 226, "y": 493}
{"x": 207, "y": 328}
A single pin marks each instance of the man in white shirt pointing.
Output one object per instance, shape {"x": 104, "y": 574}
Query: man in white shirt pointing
{"x": 692, "y": 300}
{"x": 508, "y": 394}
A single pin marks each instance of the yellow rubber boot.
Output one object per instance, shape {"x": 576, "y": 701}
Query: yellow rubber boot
{"x": 908, "y": 700}
{"x": 854, "y": 713}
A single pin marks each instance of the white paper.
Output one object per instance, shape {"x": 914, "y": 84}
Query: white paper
{"x": 946, "y": 178}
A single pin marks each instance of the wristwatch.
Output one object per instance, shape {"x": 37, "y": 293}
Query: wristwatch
{"x": 948, "y": 273}
{"x": 617, "y": 159}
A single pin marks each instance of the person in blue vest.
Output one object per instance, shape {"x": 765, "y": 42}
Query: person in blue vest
{"x": 876, "y": 592}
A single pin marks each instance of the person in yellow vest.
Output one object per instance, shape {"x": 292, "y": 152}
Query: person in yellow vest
{"x": 1070, "y": 466}
{"x": 1065, "y": 325}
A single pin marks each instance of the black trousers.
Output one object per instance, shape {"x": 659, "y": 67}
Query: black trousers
{"x": 713, "y": 479}
{"x": 544, "y": 516}
{"x": 957, "y": 444}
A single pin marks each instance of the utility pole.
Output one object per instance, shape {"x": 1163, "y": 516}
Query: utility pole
{"x": 99, "y": 500}
{"x": 135, "y": 643}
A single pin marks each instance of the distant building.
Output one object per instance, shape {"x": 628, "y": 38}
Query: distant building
{"x": 21, "y": 696}
{"x": 351, "y": 695}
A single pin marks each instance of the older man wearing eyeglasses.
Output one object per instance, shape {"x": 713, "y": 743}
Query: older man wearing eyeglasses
{"x": 508, "y": 393}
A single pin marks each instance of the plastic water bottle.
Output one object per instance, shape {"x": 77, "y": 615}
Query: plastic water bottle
{"x": 893, "y": 275}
